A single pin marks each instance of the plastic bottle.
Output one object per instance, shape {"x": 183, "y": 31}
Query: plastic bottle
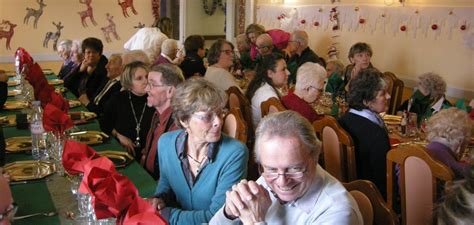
{"x": 38, "y": 137}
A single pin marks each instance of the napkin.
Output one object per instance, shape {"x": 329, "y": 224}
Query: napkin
{"x": 55, "y": 120}
{"x": 23, "y": 57}
{"x": 112, "y": 195}
{"x": 75, "y": 156}
{"x": 95, "y": 170}
{"x": 141, "y": 212}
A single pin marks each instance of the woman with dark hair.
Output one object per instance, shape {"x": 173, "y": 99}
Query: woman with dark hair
{"x": 221, "y": 59}
{"x": 359, "y": 56}
{"x": 193, "y": 64}
{"x": 367, "y": 97}
{"x": 126, "y": 115}
{"x": 272, "y": 74}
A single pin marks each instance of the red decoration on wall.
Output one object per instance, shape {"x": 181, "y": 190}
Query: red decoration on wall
{"x": 361, "y": 20}
{"x": 403, "y": 28}
{"x": 316, "y": 24}
{"x": 303, "y": 21}
{"x": 463, "y": 27}
{"x": 110, "y": 29}
{"x": 53, "y": 36}
{"x": 7, "y": 33}
{"x": 434, "y": 27}
{"x": 155, "y": 7}
{"x": 36, "y": 13}
{"x": 334, "y": 18}
{"x": 87, "y": 13}
{"x": 125, "y": 5}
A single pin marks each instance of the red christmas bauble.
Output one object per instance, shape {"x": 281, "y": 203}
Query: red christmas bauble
{"x": 303, "y": 21}
{"x": 361, "y": 20}
{"x": 279, "y": 17}
{"x": 463, "y": 27}
{"x": 403, "y": 28}
{"x": 434, "y": 27}
{"x": 316, "y": 24}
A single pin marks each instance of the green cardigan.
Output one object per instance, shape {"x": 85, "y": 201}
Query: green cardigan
{"x": 197, "y": 204}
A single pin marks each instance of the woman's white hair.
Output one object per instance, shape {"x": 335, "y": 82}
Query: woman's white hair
{"x": 169, "y": 46}
{"x": 452, "y": 126}
{"x": 309, "y": 73}
{"x": 434, "y": 83}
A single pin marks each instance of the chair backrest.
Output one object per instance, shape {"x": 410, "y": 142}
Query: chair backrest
{"x": 338, "y": 149}
{"x": 235, "y": 126}
{"x": 419, "y": 175}
{"x": 271, "y": 105}
{"x": 395, "y": 89}
{"x": 238, "y": 100}
{"x": 372, "y": 206}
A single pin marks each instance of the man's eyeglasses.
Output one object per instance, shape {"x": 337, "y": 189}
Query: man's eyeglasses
{"x": 9, "y": 213}
{"x": 150, "y": 85}
{"x": 265, "y": 47}
{"x": 209, "y": 116}
{"x": 292, "y": 174}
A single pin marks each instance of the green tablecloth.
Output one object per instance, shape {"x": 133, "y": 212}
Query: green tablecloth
{"x": 54, "y": 193}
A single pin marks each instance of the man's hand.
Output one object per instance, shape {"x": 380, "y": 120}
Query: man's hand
{"x": 84, "y": 99}
{"x": 157, "y": 203}
{"x": 247, "y": 200}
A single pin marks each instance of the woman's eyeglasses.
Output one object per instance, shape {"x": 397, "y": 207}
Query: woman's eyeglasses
{"x": 9, "y": 213}
{"x": 209, "y": 116}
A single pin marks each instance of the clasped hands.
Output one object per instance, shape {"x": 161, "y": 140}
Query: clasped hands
{"x": 247, "y": 201}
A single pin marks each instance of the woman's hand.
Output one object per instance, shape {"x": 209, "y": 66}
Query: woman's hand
{"x": 126, "y": 143}
{"x": 157, "y": 203}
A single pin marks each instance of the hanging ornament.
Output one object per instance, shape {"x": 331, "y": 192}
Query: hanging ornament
{"x": 110, "y": 29}
{"x": 361, "y": 20}
{"x": 155, "y": 7}
{"x": 36, "y": 13}
{"x": 125, "y": 5}
{"x": 208, "y": 11}
{"x": 434, "y": 27}
{"x": 303, "y": 21}
{"x": 89, "y": 12}
{"x": 7, "y": 31}
{"x": 334, "y": 18}
{"x": 54, "y": 36}
{"x": 403, "y": 28}
{"x": 316, "y": 24}
{"x": 463, "y": 27}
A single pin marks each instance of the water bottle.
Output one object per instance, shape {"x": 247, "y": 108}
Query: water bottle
{"x": 38, "y": 136}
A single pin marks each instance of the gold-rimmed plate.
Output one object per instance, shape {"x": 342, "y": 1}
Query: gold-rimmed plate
{"x": 74, "y": 103}
{"x": 391, "y": 119}
{"x": 89, "y": 137}
{"x": 18, "y": 144}
{"x": 60, "y": 89}
{"x": 8, "y": 121}
{"x": 29, "y": 170}
{"x": 13, "y": 83}
{"x": 120, "y": 159}
{"x": 13, "y": 92}
{"x": 13, "y": 105}
{"x": 47, "y": 72}
{"x": 55, "y": 82}
{"x": 82, "y": 117}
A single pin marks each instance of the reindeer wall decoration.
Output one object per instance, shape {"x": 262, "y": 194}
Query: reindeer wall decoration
{"x": 53, "y": 36}
{"x": 110, "y": 29}
{"x": 87, "y": 13}
{"x": 7, "y": 33}
{"x": 36, "y": 13}
{"x": 127, "y": 4}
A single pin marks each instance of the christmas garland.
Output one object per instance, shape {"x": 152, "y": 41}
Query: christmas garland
{"x": 155, "y": 7}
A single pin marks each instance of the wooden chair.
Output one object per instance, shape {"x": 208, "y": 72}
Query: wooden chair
{"x": 338, "y": 149}
{"x": 238, "y": 100}
{"x": 419, "y": 176}
{"x": 271, "y": 105}
{"x": 235, "y": 126}
{"x": 395, "y": 89}
{"x": 372, "y": 206}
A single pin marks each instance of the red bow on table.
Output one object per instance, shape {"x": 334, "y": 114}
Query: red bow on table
{"x": 76, "y": 155}
{"x": 55, "y": 120}
{"x": 141, "y": 212}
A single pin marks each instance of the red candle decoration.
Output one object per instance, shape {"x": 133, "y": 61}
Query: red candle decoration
{"x": 316, "y": 24}
{"x": 361, "y": 20}
{"x": 403, "y": 28}
{"x": 463, "y": 27}
{"x": 434, "y": 27}
{"x": 303, "y": 21}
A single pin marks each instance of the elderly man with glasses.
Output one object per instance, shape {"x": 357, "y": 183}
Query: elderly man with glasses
{"x": 162, "y": 82}
{"x": 293, "y": 188}
{"x": 299, "y": 53}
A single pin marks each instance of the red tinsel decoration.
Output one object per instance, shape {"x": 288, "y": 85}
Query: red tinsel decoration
{"x": 155, "y": 7}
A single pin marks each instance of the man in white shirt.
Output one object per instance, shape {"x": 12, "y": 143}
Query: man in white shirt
{"x": 293, "y": 189}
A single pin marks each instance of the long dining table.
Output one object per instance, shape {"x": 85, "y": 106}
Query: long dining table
{"x": 53, "y": 193}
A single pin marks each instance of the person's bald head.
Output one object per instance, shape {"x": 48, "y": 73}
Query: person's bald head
{"x": 264, "y": 44}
